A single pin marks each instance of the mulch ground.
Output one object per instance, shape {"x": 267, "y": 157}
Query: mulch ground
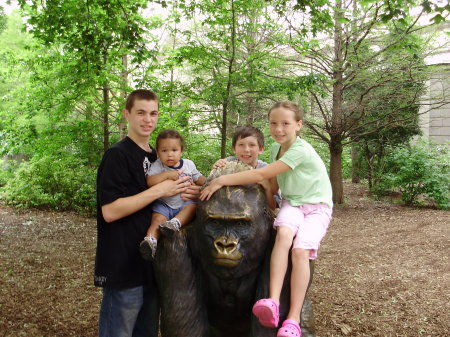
{"x": 383, "y": 270}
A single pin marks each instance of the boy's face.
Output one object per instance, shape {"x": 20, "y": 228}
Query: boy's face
{"x": 247, "y": 150}
{"x": 169, "y": 151}
{"x": 142, "y": 118}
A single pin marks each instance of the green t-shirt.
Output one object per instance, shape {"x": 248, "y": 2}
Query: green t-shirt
{"x": 307, "y": 182}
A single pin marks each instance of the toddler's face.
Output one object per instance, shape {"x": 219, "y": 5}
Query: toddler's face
{"x": 169, "y": 151}
{"x": 247, "y": 150}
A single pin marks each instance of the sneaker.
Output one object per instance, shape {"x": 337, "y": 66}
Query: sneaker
{"x": 148, "y": 248}
{"x": 169, "y": 227}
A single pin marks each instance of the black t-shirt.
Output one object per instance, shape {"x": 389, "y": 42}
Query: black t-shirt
{"x": 118, "y": 263}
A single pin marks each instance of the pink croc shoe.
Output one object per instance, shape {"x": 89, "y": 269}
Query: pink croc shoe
{"x": 267, "y": 311}
{"x": 289, "y": 328}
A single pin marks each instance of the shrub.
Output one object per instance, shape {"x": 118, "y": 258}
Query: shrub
{"x": 60, "y": 183}
{"x": 7, "y": 168}
{"x": 422, "y": 169}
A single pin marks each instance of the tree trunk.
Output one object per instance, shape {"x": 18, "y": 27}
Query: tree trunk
{"x": 336, "y": 170}
{"x": 355, "y": 165}
{"x": 225, "y": 104}
{"x": 105, "y": 92}
{"x": 122, "y": 121}
{"x": 337, "y": 110}
{"x": 369, "y": 157}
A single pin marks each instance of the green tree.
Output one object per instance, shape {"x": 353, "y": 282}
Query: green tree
{"x": 226, "y": 51}
{"x": 358, "y": 69}
{"x": 96, "y": 35}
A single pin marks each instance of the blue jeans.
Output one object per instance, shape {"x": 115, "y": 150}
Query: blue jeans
{"x": 132, "y": 312}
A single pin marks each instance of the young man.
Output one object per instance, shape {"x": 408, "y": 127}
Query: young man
{"x": 130, "y": 304}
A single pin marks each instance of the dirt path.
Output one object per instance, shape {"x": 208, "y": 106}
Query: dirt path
{"x": 383, "y": 270}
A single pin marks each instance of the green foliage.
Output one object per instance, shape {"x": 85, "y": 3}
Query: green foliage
{"x": 422, "y": 169}
{"x": 64, "y": 76}
{"x": 7, "y": 168}
{"x": 3, "y": 20}
{"x": 203, "y": 151}
{"x": 56, "y": 182}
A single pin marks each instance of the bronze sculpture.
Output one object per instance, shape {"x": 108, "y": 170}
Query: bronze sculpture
{"x": 213, "y": 270}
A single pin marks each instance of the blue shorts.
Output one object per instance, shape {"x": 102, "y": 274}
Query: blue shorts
{"x": 160, "y": 207}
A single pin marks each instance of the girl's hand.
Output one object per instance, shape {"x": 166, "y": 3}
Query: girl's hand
{"x": 220, "y": 163}
{"x": 209, "y": 190}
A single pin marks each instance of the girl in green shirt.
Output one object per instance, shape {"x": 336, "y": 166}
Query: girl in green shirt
{"x": 304, "y": 217}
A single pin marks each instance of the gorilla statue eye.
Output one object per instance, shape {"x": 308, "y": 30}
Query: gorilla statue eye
{"x": 243, "y": 223}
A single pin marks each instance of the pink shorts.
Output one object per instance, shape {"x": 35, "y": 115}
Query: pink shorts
{"x": 308, "y": 222}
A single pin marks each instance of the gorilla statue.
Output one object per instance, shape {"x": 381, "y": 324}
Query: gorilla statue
{"x": 212, "y": 271}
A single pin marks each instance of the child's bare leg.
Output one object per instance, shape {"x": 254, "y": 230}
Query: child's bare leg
{"x": 153, "y": 230}
{"x": 186, "y": 214}
{"x": 279, "y": 261}
{"x": 182, "y": 218}
{"x": 299, "y": 282}
{"x": 267, "y": 310}
{"x": 148, "y": 246}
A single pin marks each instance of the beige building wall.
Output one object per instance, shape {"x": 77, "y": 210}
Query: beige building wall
{"x": 435, "y": 117}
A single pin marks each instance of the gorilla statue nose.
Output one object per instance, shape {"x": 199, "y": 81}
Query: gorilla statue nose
{"x": 225, "y": 245}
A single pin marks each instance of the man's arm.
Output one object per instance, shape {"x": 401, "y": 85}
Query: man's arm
{"x": 123, "y": 207}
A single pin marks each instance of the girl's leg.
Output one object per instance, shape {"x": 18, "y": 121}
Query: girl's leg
{"x": 267, "y": 309}
{"x": 299, "y": 281}
{"x": 279, "y": 261}
{"x": 286, "y": 223}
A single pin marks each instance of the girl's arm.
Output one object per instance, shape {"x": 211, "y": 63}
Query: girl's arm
{"x": 154, "y": 179}
{"x": 244, "y": 178}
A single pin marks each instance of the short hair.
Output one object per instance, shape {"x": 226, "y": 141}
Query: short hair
{"x": 170, "y": 134}
{"x": 143, "y": 94}
{"x": 298, "y": 112}
{"x": 242, "y": 132}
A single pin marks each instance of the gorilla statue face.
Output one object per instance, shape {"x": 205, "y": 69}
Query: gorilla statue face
{"x": 231, "y": 231}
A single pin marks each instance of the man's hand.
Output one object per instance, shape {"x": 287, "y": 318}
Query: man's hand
{"x": 220, "y": 163}
{"x": 192, "y": 192}
{"x": 167, "y": 188}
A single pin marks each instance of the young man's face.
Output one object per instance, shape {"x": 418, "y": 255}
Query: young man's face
{"x": 142, "y": 118}
{"x": 169, "y": 151}
{"x": 247, "y": 150}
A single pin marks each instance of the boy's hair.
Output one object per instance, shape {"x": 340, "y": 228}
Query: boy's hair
{"x": 298, "y": 112}
{"x": 140, "y": 94}
{"x": 170, "y": 134}
{"x": 242, "y": 132}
